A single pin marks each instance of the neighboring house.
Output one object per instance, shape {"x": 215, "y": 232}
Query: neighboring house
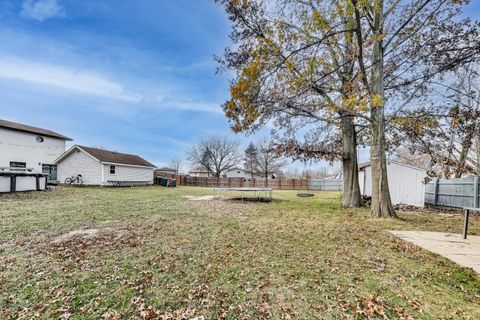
{"x": 406, "y": 183}
{"x": 103, "y": 167}
{"x": 235, "y": 172}
{"x": 166, "y": 170}
{"x": 240, "y": 173}
{"x": 200, "y": 173}
{"x": 31, "y": 149}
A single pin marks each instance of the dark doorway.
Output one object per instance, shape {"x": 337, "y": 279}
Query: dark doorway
{"x": 51, "y": 171}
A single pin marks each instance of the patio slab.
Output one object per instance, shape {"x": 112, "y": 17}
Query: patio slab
{"x": 452, "y": 246}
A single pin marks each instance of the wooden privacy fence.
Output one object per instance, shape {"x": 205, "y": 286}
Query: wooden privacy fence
{"x": 278, "y": 184}
{"x": 455, "y": 193}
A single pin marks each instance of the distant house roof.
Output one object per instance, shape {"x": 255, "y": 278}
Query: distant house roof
{"x": 166, "y": 169}
{"x": 106, "y": 156}
{"x": 25, "y": 128}
{"x": 199, "y": 171}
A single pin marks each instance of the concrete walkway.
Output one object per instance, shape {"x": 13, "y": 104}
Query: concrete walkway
{"x": 452, "y": 246}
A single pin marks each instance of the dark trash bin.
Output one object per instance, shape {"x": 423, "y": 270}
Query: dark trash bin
{"x": 163, "y": 182}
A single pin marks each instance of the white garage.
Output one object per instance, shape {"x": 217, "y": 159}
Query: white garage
{"x": 104, "y": 168}
{"x": 406, "y": 183}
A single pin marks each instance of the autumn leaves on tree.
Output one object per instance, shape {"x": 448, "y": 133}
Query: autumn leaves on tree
{"x": 332, "y": 75}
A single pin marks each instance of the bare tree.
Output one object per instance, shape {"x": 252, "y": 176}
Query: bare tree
{"x": 215, "y": 155}
{"x": 295, "y": 67}
{"x": 176, "y": 164}
{"x": 402, "y": 47}
{"x": 268, "y": 161}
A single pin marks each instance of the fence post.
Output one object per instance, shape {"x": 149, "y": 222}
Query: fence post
{"x": 435, "y": 192}
{"x": 323, "y": 184}
{"x": 475, "y": 192}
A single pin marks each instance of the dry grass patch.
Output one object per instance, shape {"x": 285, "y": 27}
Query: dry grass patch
{"x": 150, "y": 253}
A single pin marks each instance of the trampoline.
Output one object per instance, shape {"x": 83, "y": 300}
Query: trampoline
{"x": 261, "y": 194}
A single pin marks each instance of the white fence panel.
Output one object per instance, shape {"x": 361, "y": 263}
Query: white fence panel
{"x": 326, "y": 184}
{"x": 455, "y": 193}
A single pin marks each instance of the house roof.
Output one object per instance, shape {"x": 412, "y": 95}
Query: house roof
{"x": 107, "y": 156}
{"x": 25, "y": 128}
{"x": 165, "y": 169}
{"x": 362, "y": 166}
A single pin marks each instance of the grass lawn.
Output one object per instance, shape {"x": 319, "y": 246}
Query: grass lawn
{"x": 156, "y": 255}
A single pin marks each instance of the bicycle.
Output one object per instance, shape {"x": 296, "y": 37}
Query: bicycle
{"x": 74, "y": 180}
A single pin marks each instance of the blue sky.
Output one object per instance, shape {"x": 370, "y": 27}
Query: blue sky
{"x": 132, "y": 76}
{"x": 137, "y": 77}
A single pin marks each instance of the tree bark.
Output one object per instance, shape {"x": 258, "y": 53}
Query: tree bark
{"x": 461, "y": 162}
{"x": 351, "y": 187}
{"x": 381, "y": 202}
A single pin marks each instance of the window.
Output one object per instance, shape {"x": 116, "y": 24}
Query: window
{"x": 112, "y": 169}
{"x": 39, "y": 139}
{"x": 17, "y": 164}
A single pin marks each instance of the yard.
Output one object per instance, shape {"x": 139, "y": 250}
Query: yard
{"x": 148, "y": 253}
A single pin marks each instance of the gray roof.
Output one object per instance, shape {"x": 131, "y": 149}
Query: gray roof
{"x": 111, "y": 156}
{"x": 25, "y": 128}
{"x": 165, "y": 169}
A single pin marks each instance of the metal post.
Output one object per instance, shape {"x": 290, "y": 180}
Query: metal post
{"x": 13, "y": 183}
{"x": 475, "y": 192}
{"x": 465, "y": 223}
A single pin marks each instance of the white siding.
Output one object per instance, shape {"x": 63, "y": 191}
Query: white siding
{"x": 128, "y": 173}
{"x": 240, "y": 173}
{"x": 405, "y": 184}
{"x": 23, "y": 183}
{"x": 78, "y": 162}
{"x": 4, "y": 184}
{"x": 361, "y": 181}
{"x": 23, "y": 147}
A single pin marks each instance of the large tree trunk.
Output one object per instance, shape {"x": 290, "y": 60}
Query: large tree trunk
{"x": 351, "y": 187}
{"x": 381, "y": 203}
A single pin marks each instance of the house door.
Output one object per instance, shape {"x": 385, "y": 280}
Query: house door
{"x": 50, "y": 170}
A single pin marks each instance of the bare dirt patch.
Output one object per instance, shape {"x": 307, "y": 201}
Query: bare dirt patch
{"x": 200, "y": 198}
{"x": 83, "y": 233}
{"x": 74, "y": 246}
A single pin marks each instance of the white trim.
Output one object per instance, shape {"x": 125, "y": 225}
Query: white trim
{"x": 69, "y": 151}
{"x": 369, "y": 164}
{"x": 103, "y": 174}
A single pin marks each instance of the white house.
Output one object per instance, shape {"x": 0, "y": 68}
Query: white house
{"x": 235, "y": 172}
{"x": 406, "y": 183}
{"x": 30, "y": 149}
{"x": 103, "y": 167}
{"x": 166, "y": 170}
{"x": 238, "y": 172}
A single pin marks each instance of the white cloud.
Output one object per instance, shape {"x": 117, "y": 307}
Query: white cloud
{"x": 61, "y": 77}
{"x": 41, "y": 10}
{"x": 95, "y": 84}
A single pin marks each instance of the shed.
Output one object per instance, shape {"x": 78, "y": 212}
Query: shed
{"x": 103, "y": 167}
{"x": 405, "y": 182}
